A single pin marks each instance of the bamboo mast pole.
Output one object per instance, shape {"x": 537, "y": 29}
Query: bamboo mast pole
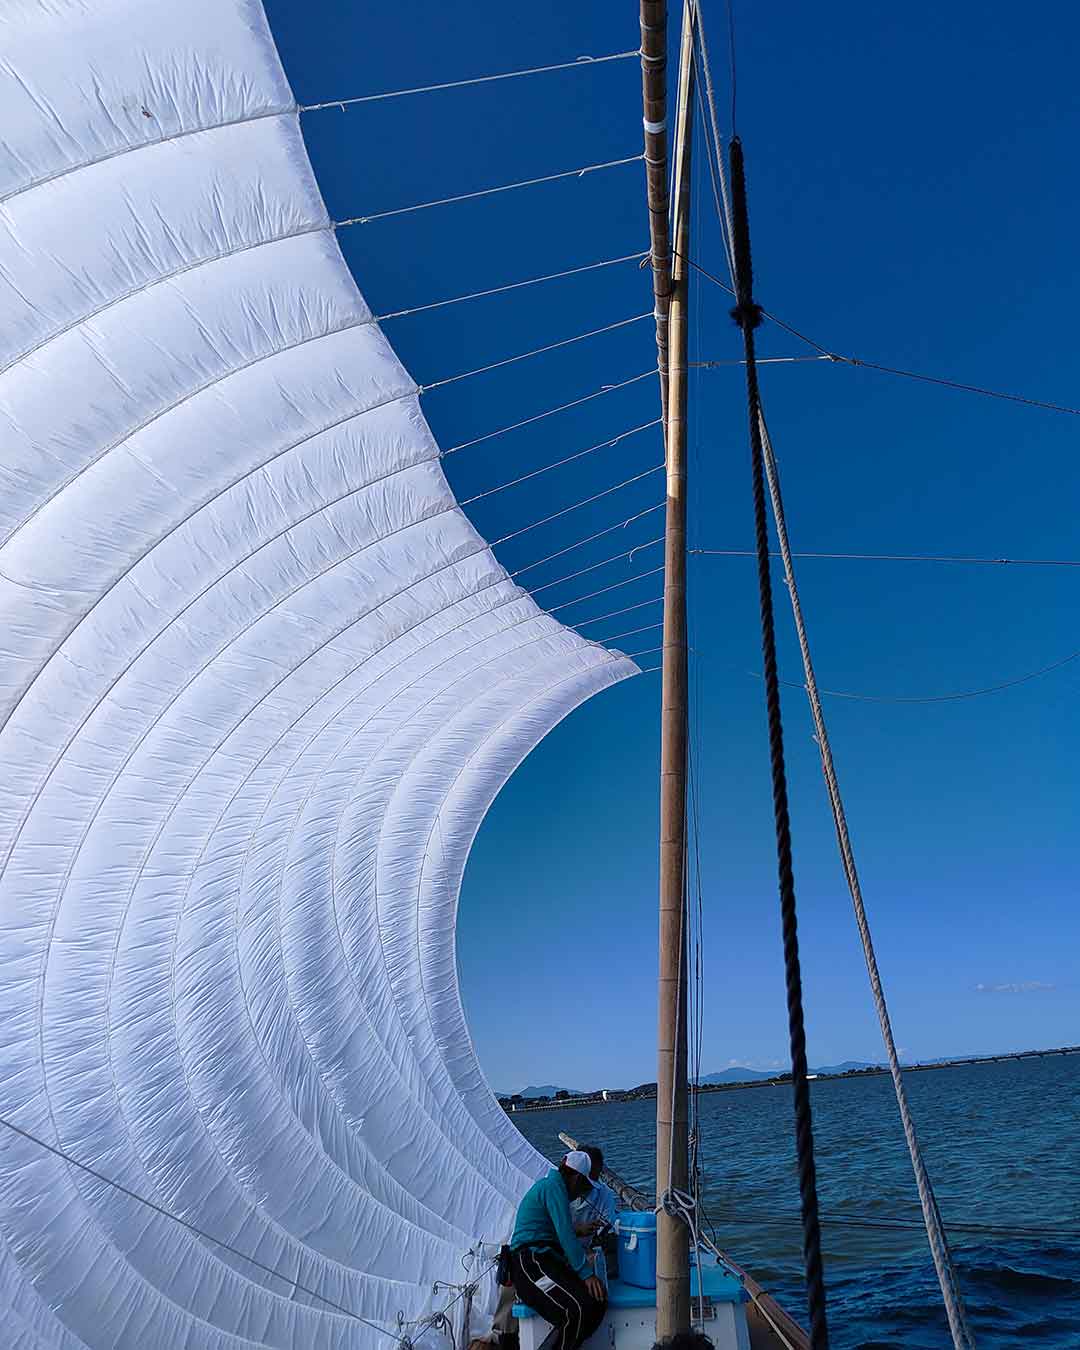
{"x": 654, "y": 104}
{"x": 672, "y": 1161}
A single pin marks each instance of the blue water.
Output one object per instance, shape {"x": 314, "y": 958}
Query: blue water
{"x": 1002, "y": 1145}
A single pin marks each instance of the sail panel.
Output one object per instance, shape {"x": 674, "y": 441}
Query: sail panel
{"x": 260, "y": 680}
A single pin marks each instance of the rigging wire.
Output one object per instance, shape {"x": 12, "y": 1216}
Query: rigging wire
{"x": 535, "y": 590}
{"x": 646, "y": 628}
{"x": 714, "y": 142}
{"x": 288, "y": 1279}
{"x": 559, "y": 463}
{"x": 511, "y": 286}
{"x": 608, "y": 529}
{"x": 487, "y": 192}
{"x": 943, "y": 698}
{"x": 579, "y": 63}
{"x": 761, "y": 360}
{"x": 627, "y": 581}
{"x": 656, "y": 468}
{"x": 550, "y": 412}
{"x": 825, "y": 354}
{"x": 734, "y": 70}
{"x": 537, "y": 351}
{"x": 655, "y": 600}
{"x": 939, "y": 1247}
{"x": 898, "y": 557}
{"x": 886, "y": 1223}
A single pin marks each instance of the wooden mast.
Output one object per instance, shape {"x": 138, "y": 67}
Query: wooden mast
{"x": 672, "y": 1162}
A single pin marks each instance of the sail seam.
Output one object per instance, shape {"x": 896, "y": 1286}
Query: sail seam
{"x": 210, "y": 127}
{"x": 322, "y": 227}
{"x": 131, "y": 432}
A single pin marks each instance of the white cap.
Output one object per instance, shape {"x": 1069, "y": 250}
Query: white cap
{"x": 579, "y": 1161}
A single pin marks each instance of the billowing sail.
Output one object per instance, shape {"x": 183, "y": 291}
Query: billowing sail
{"x": 259, "y": 681}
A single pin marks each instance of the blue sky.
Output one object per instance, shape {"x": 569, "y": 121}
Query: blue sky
{"x": 914, "y": 202}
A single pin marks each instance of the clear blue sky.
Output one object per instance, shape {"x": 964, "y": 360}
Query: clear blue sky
{"x": 914, "y": 201}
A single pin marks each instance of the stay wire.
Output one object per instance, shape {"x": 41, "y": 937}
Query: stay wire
{"x": 606, "y": 562}
{"x": 487, "y": 192}
{"x": 193, "y": 1228}
{"x": 559, "y": 463}
{"x": 536, "y": 351}
{"x": 627, "y": 581}
{"x": 747, "y": 315}
{"x": 897, "y": 557}
{"x": 512, "y": 286}
{"x": 579, "y": 63}
{"x": 550, "y": 412}
{"x": 574, "y": 506}
{"x": 944, "y": 698}
{"x": 580, "y": 623}
{"x": 714, "y": 143}
{"x": 599, "y": 534}
{"x": 826, "y": 354}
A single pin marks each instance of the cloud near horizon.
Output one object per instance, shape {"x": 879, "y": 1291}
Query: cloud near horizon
{"x": 1020, "y": 987}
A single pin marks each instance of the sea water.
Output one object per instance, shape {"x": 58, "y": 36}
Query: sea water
{"x": 1001, "y": 1142}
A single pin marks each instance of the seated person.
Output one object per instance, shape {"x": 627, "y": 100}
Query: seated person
{"x": 549, "y": 1266}
{"x": 595, "y": 1215}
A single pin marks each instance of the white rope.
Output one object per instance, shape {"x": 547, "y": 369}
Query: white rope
{"x": 512, "y": 286}
{"x": 487, "y": 192}
{"x": 580, "y": 63}
{"x": 537, "y": 351}
{"x": 760, "y": 360}
{"x": 557, "y": 464}
{"x": 608, "y": 529}
{"x": 723, "y": 208}
{"x": 535, "y": 590}
{"x": 939, "y": 1249}
{"x": 656, "y": 468}
{"x": 617, "y": 585}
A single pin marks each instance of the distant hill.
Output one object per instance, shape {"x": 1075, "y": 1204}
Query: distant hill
{"x": 548, "y": 1090}
{"x": 738, "y": 1075}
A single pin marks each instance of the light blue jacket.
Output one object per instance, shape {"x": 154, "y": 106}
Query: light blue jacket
{"x": 543, "y": 1220}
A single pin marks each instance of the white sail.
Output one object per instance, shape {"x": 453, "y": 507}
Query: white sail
{"x": 259, "y": 682}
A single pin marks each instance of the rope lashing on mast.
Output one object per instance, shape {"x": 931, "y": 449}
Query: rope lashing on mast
{"x": 747, "y": 314}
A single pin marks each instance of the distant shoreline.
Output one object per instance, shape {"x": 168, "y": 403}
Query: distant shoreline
{"x": 647, "y": 1091}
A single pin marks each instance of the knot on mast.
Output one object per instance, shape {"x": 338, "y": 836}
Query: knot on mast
{"x": 748, "y": 314}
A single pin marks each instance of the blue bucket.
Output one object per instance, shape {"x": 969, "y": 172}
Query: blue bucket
{"x": 637, "y": 1248}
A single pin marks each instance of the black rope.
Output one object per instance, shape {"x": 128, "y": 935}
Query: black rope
{"x": 747, "y": 314}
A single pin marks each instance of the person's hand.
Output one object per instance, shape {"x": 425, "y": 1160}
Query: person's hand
{"x": 595, "y": 1286}
{"x": 583, "y": 1229}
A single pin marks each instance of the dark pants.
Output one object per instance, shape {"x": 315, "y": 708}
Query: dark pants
{"x": 545, "y": 1283}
